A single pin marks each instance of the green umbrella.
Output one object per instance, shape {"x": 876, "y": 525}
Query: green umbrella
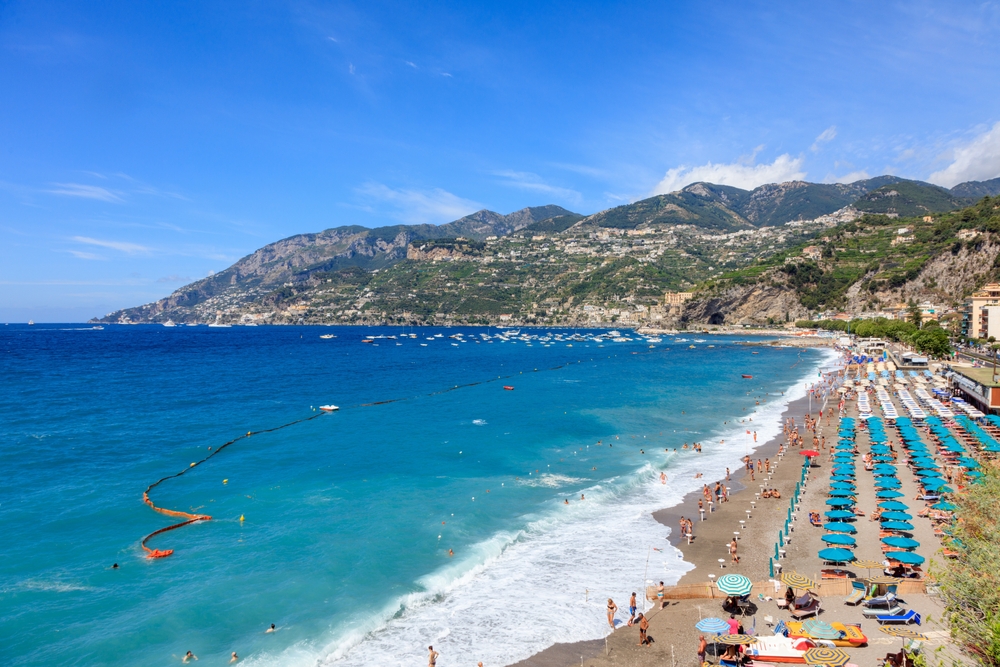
{"x": 734, "y": 584}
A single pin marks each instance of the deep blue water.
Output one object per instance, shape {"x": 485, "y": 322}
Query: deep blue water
{"x": 348, "y": 517}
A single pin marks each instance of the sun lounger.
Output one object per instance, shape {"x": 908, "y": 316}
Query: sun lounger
{"x": 872, "y": 612}
{"x": 908, "y": 617}
{"x": 857, "y": 593}
{"x": 808, "y": 610}
{"x": 887, "y": 600}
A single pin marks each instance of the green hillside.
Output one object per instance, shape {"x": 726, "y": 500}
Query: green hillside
{"x": 909, "y": 198}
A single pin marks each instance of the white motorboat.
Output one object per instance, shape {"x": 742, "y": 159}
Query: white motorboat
{"x": 329, "y": 408}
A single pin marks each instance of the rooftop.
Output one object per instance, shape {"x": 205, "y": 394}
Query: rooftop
{"x": 983, "y": 376}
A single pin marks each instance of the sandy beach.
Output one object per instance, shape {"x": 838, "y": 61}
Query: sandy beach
{"x": 672, "y": 627}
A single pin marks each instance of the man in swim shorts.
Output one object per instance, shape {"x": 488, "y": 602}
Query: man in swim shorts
{"x": 432, "y": 656}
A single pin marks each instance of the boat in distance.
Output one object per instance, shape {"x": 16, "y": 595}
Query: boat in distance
{"x": 329, "y": 408}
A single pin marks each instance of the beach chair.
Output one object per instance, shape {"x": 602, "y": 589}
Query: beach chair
{"x": 887, "y": 600}
{"x": 806, "y": 611}
{"x": 857, "y": 595}
{"x": 908, "y": 617}
{"x": 872, "y": 612}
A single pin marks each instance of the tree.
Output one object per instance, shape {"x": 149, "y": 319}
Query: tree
{"x": 916, "y": 317}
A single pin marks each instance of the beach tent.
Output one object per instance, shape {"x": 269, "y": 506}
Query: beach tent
{"x": 840, "y": 527}
{"x": 837, "y": 555}
{"x": 893, "y": 505}
{"x": 896, "y": 516}
{"x": 897, "y": 525}
{"x": 905, "y": 557}
{"x": 837, "y": 538}
{"x": 901, "y": 542}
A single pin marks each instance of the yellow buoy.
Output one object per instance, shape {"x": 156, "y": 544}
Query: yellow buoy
{"x": 241, "y": 517}
{"x": 225, "y": 481}
{"x": 249, "y": 433}
{"x": 193, "y": 464}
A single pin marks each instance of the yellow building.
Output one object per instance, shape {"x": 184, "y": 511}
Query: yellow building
{"x": 984, "y": 315}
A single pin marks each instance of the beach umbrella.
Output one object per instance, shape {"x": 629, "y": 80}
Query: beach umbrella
{"x": 944, "y": 505}
{"x": 883, "y": 579}
{"x": 831, "y": 657}
{"x": 938, "y": 487}
{"x": 734, "y": 584}
{"x": 881, "y": 458}
{"x": 736, "y": 639}
{"x": 887, "y": 483}
{"x": 796, "y": 580}
{"x": 889, "y": 493}
{"x": 716, "y": 625}
{"x": 900, "y": 631}
{"x": 846, "y": 486}
{"x": 905, "y": 557}
{"x": 840, "y": 527}
{"x": 884, "y": 468}
{"x": 842, "y": 477}
{"x": 809, "y": 452}
{"x": 837, "y": 538}
{"x": 818, "y": 629}
{"x": 839, "y": 502}
{"x": 974, "y": 474}
{"x": 839, "y": 514}
{"x": 897, "y": 525}
{"x": 844, "y": 445}
{"x": 896, "y": 516}
{"x": 843, "y": 457}
{"x": 868, "y": 564}
{"x": 901, "y": 542}
{"x": 837, "y": 555}
{"x": 893, "y": 505}
{"x": 842, "y": 493}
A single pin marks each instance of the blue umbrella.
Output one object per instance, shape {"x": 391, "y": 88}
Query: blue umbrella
{"x": 893, "y": 505}
{"x": 887, "y": 483}
{"x": 839, "y": 514}
{"x": 837, "y": 538}
{"x": 901, "y": 542}
{"x": 897, "y": 525}
{"x": 840, "y": 527}
{"x": 884, "y": 468}
{"x": 945, "y": 506}
{"x": 716, "y": 625}
{"x": 938, "y": 487}
{"x": 888, "y": 493}
{"x": 847, "y": 486}
{"x": 839, "y": 502}
{"x": 844, "y": 445}
{"x": 907, "y": 557}
{"x": 896, "y": 516}
{"x": 843, "y": 458}
{"x": 843, "y": 478}
{"x": 838, "y": 555}
{"x": 841, "y": 493}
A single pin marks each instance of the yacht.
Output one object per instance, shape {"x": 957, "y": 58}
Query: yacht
{"x": 169, "y": 323}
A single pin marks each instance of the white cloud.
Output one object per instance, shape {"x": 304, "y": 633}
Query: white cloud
{"x": 85, "y": 255}
{"x": 859, "y": 175}
{"x": 533, "y": 182}
{"x": 827, "y": 135}
{"x": 978, "y": 160}
{"x": 421, "y": 206}
{"x": 121, "y": 246}
{"x": 85, "y": 191}
{"x": 743, "y": 174}
{"x": 411, "y": 64}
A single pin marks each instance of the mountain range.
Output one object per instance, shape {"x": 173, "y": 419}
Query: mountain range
{"x": 268, "y": 275}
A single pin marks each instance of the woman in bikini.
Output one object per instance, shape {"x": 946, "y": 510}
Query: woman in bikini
{"x": 612, "y": 608}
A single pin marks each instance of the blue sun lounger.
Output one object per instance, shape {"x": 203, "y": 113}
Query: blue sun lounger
{"x": 909, "y": 617}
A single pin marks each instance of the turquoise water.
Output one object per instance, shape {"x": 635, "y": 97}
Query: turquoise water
{"x": 349, "y": 517}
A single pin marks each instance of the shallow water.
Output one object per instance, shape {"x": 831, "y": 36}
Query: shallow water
{"x": 349, "y": 517}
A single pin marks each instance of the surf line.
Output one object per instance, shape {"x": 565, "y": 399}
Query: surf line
{"x": 190, "y": 518}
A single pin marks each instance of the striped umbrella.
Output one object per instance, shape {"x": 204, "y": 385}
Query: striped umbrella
{"x": 883, "y": 579}
{"x": 734, "y": 584}
{"x": 736, "y": 639}
{"x": 868, "y": 564}
{"x": 834, "y": 657}
{"x": 796, "y": 580}
{"x": 903, "y": 632}
{"x": 818, "y": 629}
{"x": 712, "y": 624}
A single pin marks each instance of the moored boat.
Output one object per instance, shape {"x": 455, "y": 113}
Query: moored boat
{"x": 329, "y": 408}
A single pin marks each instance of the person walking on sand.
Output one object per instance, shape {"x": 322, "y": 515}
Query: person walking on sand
{"x": 660, "y": 592}
{"x": 732, "y": 550}
{"x": 432, "y": 656}
{"x": 612, "y": 608}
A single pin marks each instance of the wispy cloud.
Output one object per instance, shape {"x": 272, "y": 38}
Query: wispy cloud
{"x": 524, "y": 180}
{"x": 420, "y": 206}
{"x": 121, "y": 246}
{"x": 741, "y": 174}
{"x": 85, "y": 192}
{"x": 826, "y": 136}
{"x": 79, "y": 254}
{"x": 975, "y": 160}
{"x": 859, "y": 175}
{"x": 411, "y": 64}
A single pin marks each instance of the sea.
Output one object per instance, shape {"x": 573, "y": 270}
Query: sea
{"x": 481, "y": 490}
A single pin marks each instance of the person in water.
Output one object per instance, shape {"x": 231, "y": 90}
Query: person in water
{"x": 188, "y": 657}
{"x": 612, "y": 608}
{"x": 271, "y": 629}
{"x": 432, "y": 656}
{"x": 234, "y": 658}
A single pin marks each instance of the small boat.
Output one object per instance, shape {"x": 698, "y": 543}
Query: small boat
{"x": 328, "y": 408}
{"x": 367, "y": 340}
{"x": 747, "y": 377}
{"x": 31, "y": 323}
{"x": 508, "y": 387}
{"x": 216, "y": 325}
{"x": 755, "y": 353}
{"x": 327, "y": 336}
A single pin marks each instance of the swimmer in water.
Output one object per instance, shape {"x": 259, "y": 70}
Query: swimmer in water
{"x": 188, "y": 657}
{"x": 271, "y": 629}
{"x": 697, "y": 475}
{"x": 663, "y": 478}
{"x": 235, "y": 658}
{"x": 582, "y": 497}
{"x": 115, "y": 566}
{"x": 566, "y": 502}
{"x": 450, "y": 553}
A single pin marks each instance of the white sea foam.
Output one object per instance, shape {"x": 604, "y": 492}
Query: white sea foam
{"x": 479, "y": 422}
{"x": 551, "y": 481}
{"x": 518, "y": 593}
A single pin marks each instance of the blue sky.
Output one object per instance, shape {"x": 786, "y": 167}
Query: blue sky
{"x": 143, "y": 145}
